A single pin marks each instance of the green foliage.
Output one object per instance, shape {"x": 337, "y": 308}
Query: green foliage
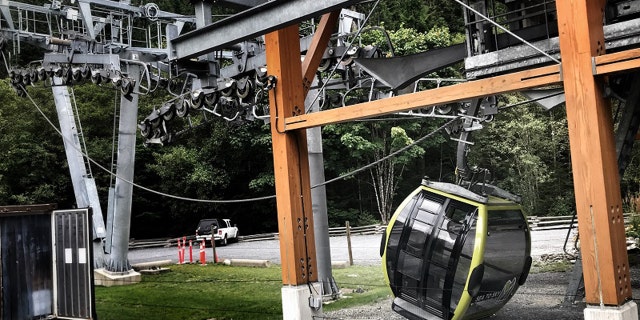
{"x": 408, "y": 40}
{"x": 338, "y": 217}
{"x": 421, "y": 15}
{"x": 633, "y": 227}
{"x": 33, "y": 157}
{"x": 187, "y": 171}
{"x": 630, "y": 183}
{"x": 527, "y": 151}
{"x": 368, "y": 142}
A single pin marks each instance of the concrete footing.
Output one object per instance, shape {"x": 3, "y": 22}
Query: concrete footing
{"x": 106, "y": 278}
{"x": 627, "y": 311}
{"x": 302, "y": 302}
{"x": 151, "y": 265}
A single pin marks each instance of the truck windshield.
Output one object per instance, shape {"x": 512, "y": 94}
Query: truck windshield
{"x": 204, "y": 227}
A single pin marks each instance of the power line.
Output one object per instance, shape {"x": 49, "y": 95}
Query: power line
{"x": 233, "y": 200}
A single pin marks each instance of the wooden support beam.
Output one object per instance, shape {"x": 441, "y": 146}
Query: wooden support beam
{"x": 318, "y": 45}
{"x": 593, "y": 158}
{"x": 473, "y": 89}
{"x": 616, "y": 62}
{"x": 290, "y": 159}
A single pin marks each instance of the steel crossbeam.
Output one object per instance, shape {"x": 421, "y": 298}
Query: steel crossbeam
{"x": 249, "y": 24}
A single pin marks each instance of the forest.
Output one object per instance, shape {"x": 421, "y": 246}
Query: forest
{"x": 525, "y": 147}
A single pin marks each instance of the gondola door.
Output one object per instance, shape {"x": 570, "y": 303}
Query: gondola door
{"x": 429, "y": 252}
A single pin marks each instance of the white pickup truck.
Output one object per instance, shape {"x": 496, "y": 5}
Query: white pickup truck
{"x": 224, "y": 231}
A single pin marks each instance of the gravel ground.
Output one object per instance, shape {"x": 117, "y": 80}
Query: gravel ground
{"x": 540, "y": 298}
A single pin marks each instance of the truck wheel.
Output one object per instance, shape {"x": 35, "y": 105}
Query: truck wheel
{"x": 224, "y": 241}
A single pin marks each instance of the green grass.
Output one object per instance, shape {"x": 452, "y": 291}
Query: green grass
{"x": 359, "y": 285}
{"x": 224, "y": 292}
{"x": 554, "y": 266}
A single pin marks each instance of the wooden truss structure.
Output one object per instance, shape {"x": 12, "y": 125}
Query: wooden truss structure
{"x": 583, "y": 71}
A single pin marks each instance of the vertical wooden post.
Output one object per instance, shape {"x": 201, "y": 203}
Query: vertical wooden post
{"x": 290, "y": 158}
{"x": 214, "y": 230}
{"x": 595, "y": 173}
{"x": 316, "y": 49}
{"x": 348, "y": 228}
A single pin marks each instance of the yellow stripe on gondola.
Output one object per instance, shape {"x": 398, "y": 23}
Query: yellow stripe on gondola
{"x": 476, "y": 260}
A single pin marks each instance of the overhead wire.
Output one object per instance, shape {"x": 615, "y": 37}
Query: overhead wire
{"x": 101, "y": 167}
{"x": 390, "y": 155}
{"x": 350, "y": 44}
{"x": 508, "y": 31}
{"x": 318, "y": 185}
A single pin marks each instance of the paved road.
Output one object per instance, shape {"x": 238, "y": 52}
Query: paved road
{"x": 365, "y": 249}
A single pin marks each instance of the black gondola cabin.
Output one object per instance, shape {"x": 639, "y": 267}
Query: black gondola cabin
{"x": 451, "y": 253}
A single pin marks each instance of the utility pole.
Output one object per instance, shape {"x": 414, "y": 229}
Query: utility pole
{"x": 319, "y": 199}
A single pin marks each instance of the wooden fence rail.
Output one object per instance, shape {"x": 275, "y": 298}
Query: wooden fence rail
{"x": 535, "y": 223}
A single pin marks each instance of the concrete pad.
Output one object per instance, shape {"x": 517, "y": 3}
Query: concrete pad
{"x": 627, "y": 311}
{"x": 301, "y": 302}
{"x": 106, "y": 278}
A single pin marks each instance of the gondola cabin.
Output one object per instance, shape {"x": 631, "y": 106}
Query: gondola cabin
{"x": 451, "y": 253}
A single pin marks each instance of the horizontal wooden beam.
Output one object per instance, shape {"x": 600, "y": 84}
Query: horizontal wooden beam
{"x": 464, "y": 91}
{"x": 616, "y": 62}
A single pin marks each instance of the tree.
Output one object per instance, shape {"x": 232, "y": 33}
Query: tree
{"x": 527, "y": 151}
{"x": 371, "y": 142}
{"x": 33, "y": 169}
{"x": 421, "y": 15}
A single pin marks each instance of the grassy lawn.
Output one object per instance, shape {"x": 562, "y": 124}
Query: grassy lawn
{"x": 224, "y": 292}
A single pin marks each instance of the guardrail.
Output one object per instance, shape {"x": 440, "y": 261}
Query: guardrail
{"x": 560, "y": 222}
{"x": 549, "y": 223}
{"x": 535, "y": 224}
{"x": 333, "y": 232}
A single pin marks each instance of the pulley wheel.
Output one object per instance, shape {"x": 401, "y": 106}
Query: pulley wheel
{"x": 170, "y": 113}
{"x": 182, "y": 109}
{"x": 197, "y": 100}
{"x": 127, "y": 86}
{"x": 146, "y": 130}
{"x": 42, "y": 74}
{"x": 211, "y": 99}
{"x": 244, "y": 91}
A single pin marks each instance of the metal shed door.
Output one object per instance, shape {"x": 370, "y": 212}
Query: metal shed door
{"x": 73, "y": 276}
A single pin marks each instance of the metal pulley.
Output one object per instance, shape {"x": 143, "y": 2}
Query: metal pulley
{"x": 182, "y": 108}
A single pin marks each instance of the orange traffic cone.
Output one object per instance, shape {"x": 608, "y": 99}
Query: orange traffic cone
{"x": 203, "y": 257}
